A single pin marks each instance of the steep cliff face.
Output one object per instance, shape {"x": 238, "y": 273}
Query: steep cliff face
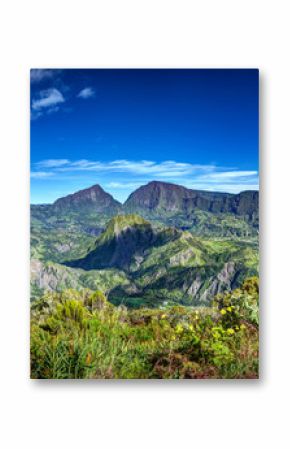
{"x": 158, "y": 196}
{"x": 164, "y": 198}
{"x": 243, "y": 204}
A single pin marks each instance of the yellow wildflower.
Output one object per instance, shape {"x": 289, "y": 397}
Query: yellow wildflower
{"x": 223, "y": 312}
{"x": 179, "y": 329}
{"x": 229, "y": 309}
{"x": 230, "y": 331}
{"x": 88, "y": 358}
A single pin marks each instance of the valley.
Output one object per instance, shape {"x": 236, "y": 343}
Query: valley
{"x": 165, "y": 245}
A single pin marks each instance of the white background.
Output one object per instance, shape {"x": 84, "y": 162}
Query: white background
{"x": 127, "y": 414}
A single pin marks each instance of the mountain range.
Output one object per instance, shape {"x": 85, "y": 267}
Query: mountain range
{"x": 166, "y": 243}
{"x": 158, "y": 198}
{"x": 162, "y": 202}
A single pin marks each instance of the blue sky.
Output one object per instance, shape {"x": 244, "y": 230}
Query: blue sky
{"x": 124, "y": 128}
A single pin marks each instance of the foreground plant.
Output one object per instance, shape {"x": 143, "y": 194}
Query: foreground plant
{"x": 81, "y": 335}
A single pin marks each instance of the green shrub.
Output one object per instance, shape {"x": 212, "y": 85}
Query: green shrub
{"x": 81, "y": 335}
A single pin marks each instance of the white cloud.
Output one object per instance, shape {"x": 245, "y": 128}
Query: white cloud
{"x": 229, "y": 188}
{"x": 124, "y": 185}
{"x": 165, "y": 169}
{"x": 87, "y": 92}
{"x": 47, "y": 100}
{"x": 40, "y": 174}
{"x": 231, "y": 175}
{"x": 226, "y": 181}
{"x": 37, "y": 75}
{"x": 52, "y": 163}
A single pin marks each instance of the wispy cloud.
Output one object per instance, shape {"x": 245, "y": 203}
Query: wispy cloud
{"x": 229, "y": 188}
{"x": 163, "y": 169}
{"x": 127, "y": 175}
{"x": 85, "y": 93}
{"x": 47, "y": 99}
{"x": 231, "y": 174}
{"x": 124, "y": 185}
{"x": 226, "y": 181}
{"x": 38, "y": 75}
{"x": 40, "y": 174}
{"x": 52, "y": 163}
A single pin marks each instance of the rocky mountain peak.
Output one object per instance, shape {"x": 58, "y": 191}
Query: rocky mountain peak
{"x": 93, "y": 197}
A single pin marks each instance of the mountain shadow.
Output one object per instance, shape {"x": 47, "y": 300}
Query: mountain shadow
{"x": 124, "y": 241}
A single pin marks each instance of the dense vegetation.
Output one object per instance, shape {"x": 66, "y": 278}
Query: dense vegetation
{"x": 81, "y": 335}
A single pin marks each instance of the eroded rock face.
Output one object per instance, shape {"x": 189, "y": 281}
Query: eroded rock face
{"x": 63, "y": 247}
{"x": 51, "y": 278}
{"x": 221, "y": 282}
{"x": 182, "y": 257}
{"x": 227, "y": 273}
{"x": 195, "y": 286}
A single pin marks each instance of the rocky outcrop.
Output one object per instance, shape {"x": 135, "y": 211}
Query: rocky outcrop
{"x": 181, "y": 258}
{"x": 52, "y": 277}
{"x": 221, "y": 282}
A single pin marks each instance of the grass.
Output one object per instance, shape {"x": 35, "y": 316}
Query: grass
{"x": 81, "y": 335}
